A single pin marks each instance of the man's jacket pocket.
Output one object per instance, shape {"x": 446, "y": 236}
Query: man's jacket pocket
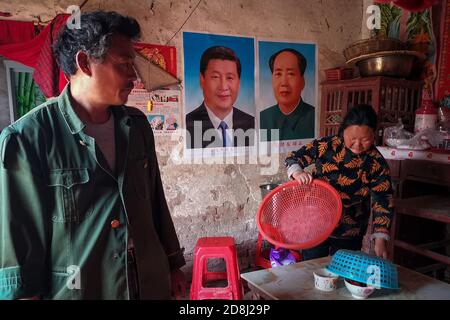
{"x": 70, "y": 191}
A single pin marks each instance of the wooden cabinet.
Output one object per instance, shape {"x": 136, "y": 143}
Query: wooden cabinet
{"x": 420, "y": 238}
{"x": 391, "y": 98}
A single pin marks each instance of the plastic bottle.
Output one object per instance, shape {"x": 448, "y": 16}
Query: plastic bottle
{"x": 426, "y": 116}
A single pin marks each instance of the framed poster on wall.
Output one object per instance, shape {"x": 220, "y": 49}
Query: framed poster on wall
{"x": 219, "y": 91}
{"x": 287, "y": 92}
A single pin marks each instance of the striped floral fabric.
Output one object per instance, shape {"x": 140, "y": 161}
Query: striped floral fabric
{"x": 363, "y": 182}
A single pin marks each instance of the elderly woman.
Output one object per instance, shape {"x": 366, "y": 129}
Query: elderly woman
{"x": 350, "y": 162}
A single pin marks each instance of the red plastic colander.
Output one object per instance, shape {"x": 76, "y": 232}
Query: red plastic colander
{"x": 299, "y": 216}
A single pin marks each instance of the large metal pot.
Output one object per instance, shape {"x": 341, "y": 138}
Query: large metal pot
{"x": 397, "y": 63}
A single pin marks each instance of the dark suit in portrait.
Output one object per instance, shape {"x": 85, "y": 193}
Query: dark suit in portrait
{"x": 241, "y": 120}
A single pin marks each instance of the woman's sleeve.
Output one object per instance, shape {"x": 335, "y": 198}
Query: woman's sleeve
{"x": 303, "y": 157}
{"x": 382, "y": 198}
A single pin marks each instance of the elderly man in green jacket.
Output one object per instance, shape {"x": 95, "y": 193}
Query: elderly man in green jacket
{"x": 82, "y": 208}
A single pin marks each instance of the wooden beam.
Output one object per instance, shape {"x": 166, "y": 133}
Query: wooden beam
{"x": 436, "y": 244}
{"x": 431, "y": 267}
{"x": 423, "y": 252}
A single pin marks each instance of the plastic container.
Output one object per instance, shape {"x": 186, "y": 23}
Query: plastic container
{"x": 426, "y": 116}
{"x": 365, "y": 268}
{"x": 298, "y": 216}
{"x": 281, "y": 257}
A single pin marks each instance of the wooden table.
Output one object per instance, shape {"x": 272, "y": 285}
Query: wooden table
{"x": 296, "y": 282}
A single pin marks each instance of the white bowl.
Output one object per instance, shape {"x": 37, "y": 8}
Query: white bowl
{"x": 359, "y": 292}
{"x": 325, "y": 280}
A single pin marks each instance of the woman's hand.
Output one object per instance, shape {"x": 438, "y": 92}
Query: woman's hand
{"x": 381, "y": 248}
{"x": 302, "y": 177}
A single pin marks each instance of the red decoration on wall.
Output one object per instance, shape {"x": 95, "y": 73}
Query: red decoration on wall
{"x": 164, "y": 56}
{"x": 15, "y": 31}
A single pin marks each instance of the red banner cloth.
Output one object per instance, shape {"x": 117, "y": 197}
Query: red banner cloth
{"x": 38, "y": 54}
{"x": 411, "y": 5}
{"x": 16, "y": 31}
{"x": 443, "y": 77}
{"x": 48, "y": 75}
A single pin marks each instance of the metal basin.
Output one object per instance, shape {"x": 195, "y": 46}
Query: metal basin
{"x": 367, "y": 46}
{"x": 399, "y": 65}
{"x": 267, "y": 188}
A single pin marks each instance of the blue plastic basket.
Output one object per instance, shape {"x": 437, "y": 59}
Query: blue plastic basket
{"x": 365, "y": 268}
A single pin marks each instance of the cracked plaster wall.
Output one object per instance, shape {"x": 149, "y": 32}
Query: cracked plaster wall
{"x": 213, "y": 200}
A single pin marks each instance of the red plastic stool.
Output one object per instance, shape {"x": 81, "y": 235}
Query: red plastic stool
{"x": 215, "y": 247}
{"x": 262, "y": 258}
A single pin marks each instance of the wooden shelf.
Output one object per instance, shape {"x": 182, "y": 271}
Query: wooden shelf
{"x": 435, "y": 207}
{"x": 422, "y": 211}
{"x": 431, "y": 268}
{"x": 424, "y": 252}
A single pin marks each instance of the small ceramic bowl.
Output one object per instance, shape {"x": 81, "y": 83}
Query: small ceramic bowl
{"x": 358, "y": 290}
{"x": 325, "y": 280}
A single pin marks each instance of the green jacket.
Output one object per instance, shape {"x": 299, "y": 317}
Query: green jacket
{"x": 58, "y": 201}
{"x": 297, "y": 125}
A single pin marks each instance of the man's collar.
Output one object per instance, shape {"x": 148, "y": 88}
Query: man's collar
{"x": 297, "y": 106}
{"x": 216, "y": 120}
{"x": 74, "y": 122}
{"x": 65, "y": 106}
